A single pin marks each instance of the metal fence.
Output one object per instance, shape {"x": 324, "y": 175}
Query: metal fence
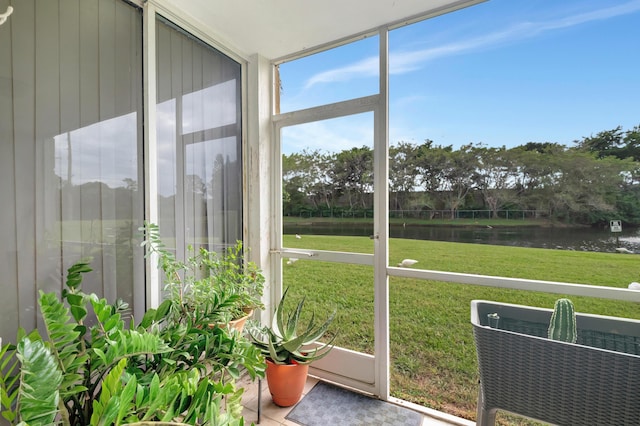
{"x": 465, "y": 214}
{"x": 422, "y": 214}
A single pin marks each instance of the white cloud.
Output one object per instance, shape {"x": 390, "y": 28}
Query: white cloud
{"x": 329, "y": 135}
{"x": 403, "y": 62}
{"x": 366, "y": 68}
{"x": 103, "y": 152}
{"x": 408, "y": 101}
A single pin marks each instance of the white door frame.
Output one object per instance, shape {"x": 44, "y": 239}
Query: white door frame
{"x": 369, "y": 373}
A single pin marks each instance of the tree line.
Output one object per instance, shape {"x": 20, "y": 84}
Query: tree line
{"x": 592, "y": 181}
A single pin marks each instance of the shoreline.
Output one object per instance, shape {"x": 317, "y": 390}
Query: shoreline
{"x": 462, "y": 223}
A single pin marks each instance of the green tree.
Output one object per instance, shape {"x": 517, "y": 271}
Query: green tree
{"x": 403, "y": 173}
{"x": 495, "y": 177}
{"x": 628, "y": 197}
{"x": 354, "y": 175}
{"x": 430, "y": 160}
{"x": 603, "y": 144}
{"x": 585, "y": 187}
{"x": 320, "y": 171}
{"x": 631, "y": 141}
{"x": 457, "y": 176}
{"x": 628, "y": 205}
{"x": 535, "y": 168}
{"x": 293, "y": 178}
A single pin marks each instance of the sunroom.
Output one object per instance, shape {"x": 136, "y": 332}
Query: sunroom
{"x": 117, "y": 112}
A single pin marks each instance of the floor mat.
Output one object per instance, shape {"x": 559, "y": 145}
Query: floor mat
{"x": 327, "y": 404}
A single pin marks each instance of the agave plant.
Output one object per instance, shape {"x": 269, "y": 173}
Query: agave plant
{"x": 286, "y": 342}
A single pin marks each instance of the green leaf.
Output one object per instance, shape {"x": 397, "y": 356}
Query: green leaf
{"x": 75, "y": 299}
{"x": 78, "y": 312}
{"x": 39, "y": 382}
{"x": 109, "y": 413}
{"x": 154, "y": 388}
{"x": 163, "y": 309}
{"x": 101, "y": 355}
{"x": 74, "y": 274}
{"x": 107, "y": 407}
{"x": 112, "y": 322}
{"x": 140, "y": 396}
{"x": 148, "y": 318}
{"x": 126, "y": 399}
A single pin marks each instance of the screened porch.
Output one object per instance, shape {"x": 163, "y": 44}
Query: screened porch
{"x": 189, "y": 114}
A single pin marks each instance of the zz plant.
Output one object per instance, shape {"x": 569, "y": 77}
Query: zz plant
{"x": 108, "y": 373}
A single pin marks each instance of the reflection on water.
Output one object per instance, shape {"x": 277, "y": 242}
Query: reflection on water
{"x": 582, "y": 239}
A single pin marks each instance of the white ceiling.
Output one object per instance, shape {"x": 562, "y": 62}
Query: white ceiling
{"x": 280, "y": 28}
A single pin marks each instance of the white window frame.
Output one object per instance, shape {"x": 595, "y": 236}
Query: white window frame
{"x": 150, "y": 12}
{"x": 380, "y": 259}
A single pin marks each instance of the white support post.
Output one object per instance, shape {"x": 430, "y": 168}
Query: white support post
{"x": 260, "y": 192}
{"x": 153, "y": 295}
{"x": 381, "y": 223}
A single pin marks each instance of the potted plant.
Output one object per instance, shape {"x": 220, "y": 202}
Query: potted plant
{"x": 243, "y": 281}
{"x": 289, "y": 348}
{"x": 75, "y": 373}
{"x": 202, "y": 292}
{"x": 208, "y": 287}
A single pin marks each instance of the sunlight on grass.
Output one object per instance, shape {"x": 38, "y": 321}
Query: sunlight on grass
{"x": 432, "y": 348}
{"x": 348, "y": 288}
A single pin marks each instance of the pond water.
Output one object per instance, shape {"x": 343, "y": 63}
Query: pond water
{"x": 583, "y": 239}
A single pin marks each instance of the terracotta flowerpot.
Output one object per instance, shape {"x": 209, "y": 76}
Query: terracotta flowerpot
{"x": 238, "y": 324}
{"x": 286, "y": 382}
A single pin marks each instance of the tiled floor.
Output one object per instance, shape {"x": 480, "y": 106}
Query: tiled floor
{"x": 273, "y": 415}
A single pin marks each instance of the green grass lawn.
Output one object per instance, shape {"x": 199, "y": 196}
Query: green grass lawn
{"x": 432, "y": 349}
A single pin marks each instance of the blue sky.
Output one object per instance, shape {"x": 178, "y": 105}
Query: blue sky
{"x": 503, "y": 72}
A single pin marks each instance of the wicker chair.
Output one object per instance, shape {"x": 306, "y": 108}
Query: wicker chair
{"x": 595, "y": 381}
